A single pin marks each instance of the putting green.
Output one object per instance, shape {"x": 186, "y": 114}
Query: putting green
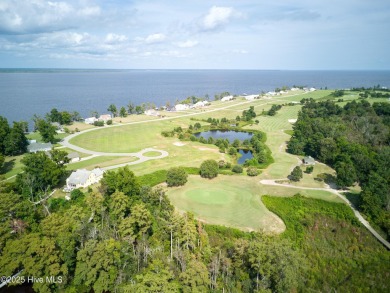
{"x": 232, "y": 201}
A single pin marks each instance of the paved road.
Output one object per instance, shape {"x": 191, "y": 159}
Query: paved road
{"x": 357, "y": 214}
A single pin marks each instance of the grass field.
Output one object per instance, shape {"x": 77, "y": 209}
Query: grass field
{"x": 101, "y": 161}
{"x": 232, "y": 201}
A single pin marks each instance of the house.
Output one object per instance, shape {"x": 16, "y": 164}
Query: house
{"x": 58, "y": 126}
{"x": 105, "y": 117}
{"x": 73, "y": 157}
{"x": 39, "y": 147}
{"x": 90, "y": 120}
{"x": 308, "y": 161}
{"x": 201, "y": 104}
{"x": 227, "y": 98}
{"x": 251, "y": 97}
{"x": 82, "y": 178}
{"x": 312, "y": 89}
{"x": 152, "y": 112}
{"x": 181, "y": 107}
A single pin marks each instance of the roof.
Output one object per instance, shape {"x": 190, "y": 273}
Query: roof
{"x": 308, "y": 160}
{"x": 37, "y": 146}
{"x": 79, "y": 176}
{"x": 97, "y": 172}
{"x": 73, "y": 155}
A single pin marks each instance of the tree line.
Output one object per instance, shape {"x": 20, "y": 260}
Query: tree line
{"x": 354, "y": 140}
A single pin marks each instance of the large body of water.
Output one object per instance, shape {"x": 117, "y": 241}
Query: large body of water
{"x": 25, "y": 92}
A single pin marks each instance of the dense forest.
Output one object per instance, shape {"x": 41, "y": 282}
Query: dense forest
{"x": 126, "y": 237}
{"x": 354, "y": 140}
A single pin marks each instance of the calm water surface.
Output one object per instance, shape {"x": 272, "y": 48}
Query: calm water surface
{"x": 25, "y": 92}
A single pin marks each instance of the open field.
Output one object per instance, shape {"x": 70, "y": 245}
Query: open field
{"x": 101, "y": 161}
{"x": 226, "y": 200}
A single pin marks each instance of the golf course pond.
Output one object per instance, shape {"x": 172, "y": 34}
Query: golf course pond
{"x": 231, "y": 135}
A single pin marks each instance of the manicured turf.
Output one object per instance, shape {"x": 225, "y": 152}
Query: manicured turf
{"x": 152, "y": 154}
{"x": 226, "y": 200}
{"x": 102, "y": 161}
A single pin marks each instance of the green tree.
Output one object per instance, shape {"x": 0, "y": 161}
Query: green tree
{"x": 112, "y": 108}
{"x": 40, "y": 173}
{"x": 209, "y": 169}
{"x": 47, "y": 131}
{"x": 296, "y": 174}
{"x": 66, "y": 118}
{"x": 237, "y": 169}
{"x": 16, "y": 142}
{"x": 4, "y": 131}
{"x": 122, "y": 180}
{"x": 158, "y": 278}
{"x": 232, "y": 151}
{"x": 195, "y": 278}
{"x": 37, "y": 256}
{"x": 130, "y": 107}
{"x": 119, "y": 205}
{"x": 2, "y": 159}
{"x": 137, "y": 224}
{"x": 346, "y": 174}
{"x": 176, "y": 177}
{"x": 98, "y": 265}
{"x": 122, "y": 112}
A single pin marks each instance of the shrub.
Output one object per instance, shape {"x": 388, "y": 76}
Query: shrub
{"x": 176, "y": 177}
{"x": 252, "y": 171}
{"x": 296, "y": 174}
{"x": 309, "y": 169}
{"x": 237, "y": 169}
{"x": 76, "y": 194}
{"x": 109, "y": 122}
{"x": 209, "y": 169}
{"x": 98, "y": 123}
{"x": 232, "y": 151}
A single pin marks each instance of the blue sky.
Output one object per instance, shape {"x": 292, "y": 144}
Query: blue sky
{"x": 202, "y": 34}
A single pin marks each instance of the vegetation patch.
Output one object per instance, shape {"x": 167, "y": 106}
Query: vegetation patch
{"x": 343, "y": 255}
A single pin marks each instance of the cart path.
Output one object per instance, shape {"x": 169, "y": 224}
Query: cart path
{"x": 357, "y": 214}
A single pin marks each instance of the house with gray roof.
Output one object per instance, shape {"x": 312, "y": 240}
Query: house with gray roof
{"x": 73, "y": 157}
{"x": 308, "y": 160}
{"x": 39, "y": 147}
{"x": 82, "y": 178}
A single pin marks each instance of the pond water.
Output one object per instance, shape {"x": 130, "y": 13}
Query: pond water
{"x": 245, "y": 155}
{"x": 229, "y": 134}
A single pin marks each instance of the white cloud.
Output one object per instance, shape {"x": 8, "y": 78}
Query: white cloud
{"x": 39, "y": 16}
{"x": 187, "y": 44}
{"x": 217, "y": 17}
{"x": 114, "y": 38}
{"x": 155, "y": 38}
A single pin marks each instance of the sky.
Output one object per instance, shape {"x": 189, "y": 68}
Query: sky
{"x": 201, "y": 34}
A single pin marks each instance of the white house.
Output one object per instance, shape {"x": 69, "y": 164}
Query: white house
{"x": 73, "y": 157}
{"x": 90, "y": 120}
{"x": 152, "y": 112}
{"x": 201, "y": 104}
{"x": 181, "y": 107}
{"x": 227, "y": 98}
{"x": 251, "y": 97}
{"x": 105, "y": 117}
{"x": 39, "y": 147}
{"x": 312, "y": 89}
{"x": 82, "y": 178}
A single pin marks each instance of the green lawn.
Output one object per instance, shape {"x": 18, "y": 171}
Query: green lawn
{"x": 101, "y": 161}
{"x": 232, "y": 201}
{"x": 12, "y": 166}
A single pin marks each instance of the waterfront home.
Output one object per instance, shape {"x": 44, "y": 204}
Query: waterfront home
{"x": 152, "y": 112}
{"x": 90, "y": 120}
{"x": 251, "y": 97}
{"x": 82, "y": 178}
{"x": 201, "y": 104}
{"x": 181, "y": 107}
{"x": 227, "y": 98}
{"x": 39, "y": 147}
{"x": 105, "y": 117}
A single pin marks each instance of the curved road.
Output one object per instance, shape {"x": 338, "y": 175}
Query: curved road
{"x": 357, "y": 214}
